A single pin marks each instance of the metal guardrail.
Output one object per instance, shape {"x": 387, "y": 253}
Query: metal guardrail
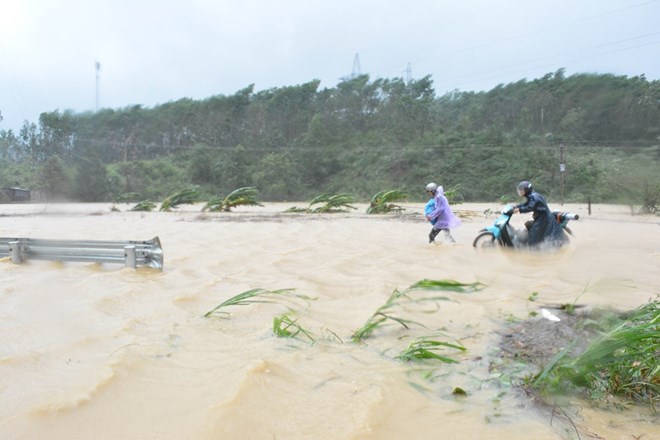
{"x": 131, "y": 253}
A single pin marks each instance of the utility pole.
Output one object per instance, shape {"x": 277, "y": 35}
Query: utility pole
{"x": 97, "y": 65}
{"x": 562, "y": 170}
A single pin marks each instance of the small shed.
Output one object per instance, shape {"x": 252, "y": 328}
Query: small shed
{"x": 18, "y": 194}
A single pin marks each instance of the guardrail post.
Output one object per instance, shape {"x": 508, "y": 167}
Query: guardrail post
{"x": 130, "y": 259}
{"x": 15, "y": 251}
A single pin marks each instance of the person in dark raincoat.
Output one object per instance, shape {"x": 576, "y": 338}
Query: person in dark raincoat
{"x": 545, "y": 228}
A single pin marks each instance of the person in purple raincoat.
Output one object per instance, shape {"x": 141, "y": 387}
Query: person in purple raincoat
{"x": 441, "y": 217}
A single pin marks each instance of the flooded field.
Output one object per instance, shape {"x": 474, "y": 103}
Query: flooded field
{"x": 106, "y": 352}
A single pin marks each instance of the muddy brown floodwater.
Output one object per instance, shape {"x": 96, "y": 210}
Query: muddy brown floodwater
{"x": 105, "y": 352}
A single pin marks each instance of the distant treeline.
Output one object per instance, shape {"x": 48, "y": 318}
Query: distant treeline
{"x": 360, "y": 137}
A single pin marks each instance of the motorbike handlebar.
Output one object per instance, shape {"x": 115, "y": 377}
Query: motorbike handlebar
{"x": 563, "y": 216}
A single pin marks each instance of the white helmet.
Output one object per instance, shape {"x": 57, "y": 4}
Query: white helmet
{"x": 431, "y": 187}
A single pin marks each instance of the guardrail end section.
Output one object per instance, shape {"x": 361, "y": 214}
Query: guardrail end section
{"x": 156, "y": 257}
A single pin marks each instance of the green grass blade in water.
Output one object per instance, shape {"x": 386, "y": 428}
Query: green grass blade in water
{"x": 448, "y": 285}
{"x": 282, "y": 296}
{"x": 427, "y": 349}
{"x": 397, "y": 298}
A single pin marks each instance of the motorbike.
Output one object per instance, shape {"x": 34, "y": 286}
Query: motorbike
{"x": 502, "y": 233}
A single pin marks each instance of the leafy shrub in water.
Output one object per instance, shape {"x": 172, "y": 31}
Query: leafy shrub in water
{"x": 189, "y": 195}
{"x": 246, "y": 196}
{"x": 383, "y": 202}
{"x": 330, "y": 203}
{"x": 623, "y": 361}
{"x": 146, "y": 205}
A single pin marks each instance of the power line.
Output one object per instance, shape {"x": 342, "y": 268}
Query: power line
{"x": 555, "y": 56}
{"x": 616, "y": 143}
{"x": 561, "y": 26}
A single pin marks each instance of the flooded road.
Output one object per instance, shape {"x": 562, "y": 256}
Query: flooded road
{"x": 105, "y": 352}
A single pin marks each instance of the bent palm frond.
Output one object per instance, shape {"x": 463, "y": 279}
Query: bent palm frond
{"x": 382, "y": 202}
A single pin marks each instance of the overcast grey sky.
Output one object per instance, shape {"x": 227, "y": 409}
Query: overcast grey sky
{"x": 155, "y": 51}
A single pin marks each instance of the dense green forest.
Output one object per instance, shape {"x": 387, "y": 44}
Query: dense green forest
{"x": 360, "y": 137}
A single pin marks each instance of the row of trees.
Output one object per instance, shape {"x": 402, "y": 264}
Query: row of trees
{"x": 361, "y": 136}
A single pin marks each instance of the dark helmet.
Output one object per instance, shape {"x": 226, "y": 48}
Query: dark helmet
{"x": 526, "y": 187}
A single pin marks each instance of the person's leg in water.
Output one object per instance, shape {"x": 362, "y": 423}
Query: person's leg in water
{"x": 434, "y": 232}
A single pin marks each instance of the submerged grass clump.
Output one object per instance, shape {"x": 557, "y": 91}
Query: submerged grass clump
{"x": 623, "y": 361}
{"x": 286, "y": 327}
{"x": 390, "y": 310}
{"x": 424, "y": 348}
{"x": 287, "y": 297}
